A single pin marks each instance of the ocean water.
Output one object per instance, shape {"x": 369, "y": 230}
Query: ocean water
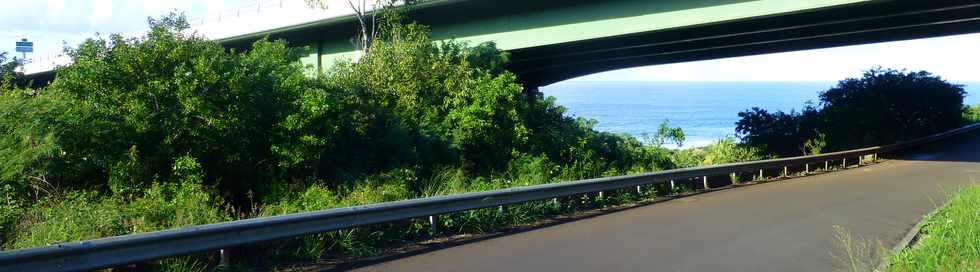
{"x": 706, "y": 111}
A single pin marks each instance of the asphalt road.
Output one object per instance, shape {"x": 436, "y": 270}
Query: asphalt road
{"x": 780, "y": 226}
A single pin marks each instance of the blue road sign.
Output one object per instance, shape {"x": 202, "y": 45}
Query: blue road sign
{"x": 25, "y": 46}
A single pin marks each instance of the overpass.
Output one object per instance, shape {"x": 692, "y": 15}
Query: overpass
{"x": 551, "y": 40}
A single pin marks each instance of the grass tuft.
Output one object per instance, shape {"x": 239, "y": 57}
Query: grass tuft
{"x": 950, "y": 239}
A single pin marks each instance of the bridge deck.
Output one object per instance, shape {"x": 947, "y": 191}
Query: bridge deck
{"x": 782, "y": 226}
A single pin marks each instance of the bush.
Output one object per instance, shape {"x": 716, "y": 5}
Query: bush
{"x": 720, "y": 152}
{"x": 83, "y": 215}
{"x": 881, "y": 107}
{"x": 8, "y": 72}
{"x": 972, "y": 114}
{"x": 127, "y": 109}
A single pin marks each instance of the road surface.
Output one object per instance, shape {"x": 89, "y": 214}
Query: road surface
{"x": 780, "y": 226}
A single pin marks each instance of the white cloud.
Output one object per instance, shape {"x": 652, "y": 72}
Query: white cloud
{"x": 55, "y": 10}
{"x": 101, "y": 12}
{"x": 952, "y": 57}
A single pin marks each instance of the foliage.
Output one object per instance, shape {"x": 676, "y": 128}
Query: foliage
{"x": 8, "y": 71}
{"x": 157, "y": 132}
{"x": 779, "y": 133}
{"x": 82, "y": 215}
{"x": 949, "y": 238}
{"x": 972, "y": 114}
{"x": 720, "y": 152}
{"x": 127, "y": 109}
{"x": 881, "y": 107}
{"x": 885, "y": 106}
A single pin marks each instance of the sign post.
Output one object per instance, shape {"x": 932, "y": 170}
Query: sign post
{"x": 24, "y": 47}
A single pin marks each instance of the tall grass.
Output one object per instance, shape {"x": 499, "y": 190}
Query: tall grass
{"x": 950, "y": 239}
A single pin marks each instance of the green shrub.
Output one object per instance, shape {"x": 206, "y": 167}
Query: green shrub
{"x": 720, "y": 152}
{"x": 83, "y": 215}
{"x": 75, "y": 216}
{"x": 882, "y": 106}
{"x": 128, "y": 108}
{"x": 972, "y": 114}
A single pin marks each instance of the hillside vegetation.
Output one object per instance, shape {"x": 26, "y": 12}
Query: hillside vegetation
{"x": 881, "y": 107}
{"x": 170, "y": 129}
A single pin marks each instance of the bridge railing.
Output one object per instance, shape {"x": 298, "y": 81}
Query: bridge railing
{"x": 141, "y": 247}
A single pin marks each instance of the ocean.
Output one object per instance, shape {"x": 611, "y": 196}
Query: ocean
{"x": 706, "y": 111}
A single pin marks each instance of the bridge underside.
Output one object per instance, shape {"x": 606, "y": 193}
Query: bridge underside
{"x": 555, "y": 40}
{"x": 850, "y": 24}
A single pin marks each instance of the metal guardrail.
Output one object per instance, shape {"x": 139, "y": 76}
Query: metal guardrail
{"x": 134, "y": 248}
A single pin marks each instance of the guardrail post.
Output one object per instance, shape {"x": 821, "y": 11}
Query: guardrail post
{"x": 432, "y": 224}
{"x": 705, "y": 180}
{"x": 224, "y": 256}
{"x": 786, "y": 171}
{"x": 807, "y": 168}
{"x": 734, "y": 178}
{"x": 843, "y": 164}
{"x": 672, "y": 188}
{"x": 874, "y": 157}
{"x": 600, "y": 194}
{"x": 638, "y": 191}
{"x": 826, "y": 165}
{"x": 760, "y": 174}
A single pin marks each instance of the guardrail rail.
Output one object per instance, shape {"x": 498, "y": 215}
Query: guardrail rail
{"x": 141, "y": 247}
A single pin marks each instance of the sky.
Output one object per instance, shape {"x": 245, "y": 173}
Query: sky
{"x": 49, "y": 23}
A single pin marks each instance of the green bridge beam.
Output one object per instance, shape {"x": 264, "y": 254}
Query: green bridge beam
{"x": 555, "y": 40}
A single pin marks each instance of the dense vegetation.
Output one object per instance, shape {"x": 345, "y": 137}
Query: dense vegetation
{"x": 882, "y": 107}
{"x": 8, "y": 69}
{"x": 972, "y": 114}
{"x": 171, "y": 129}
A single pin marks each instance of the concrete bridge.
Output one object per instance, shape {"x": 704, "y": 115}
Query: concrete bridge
{"x": 551, "y": 40}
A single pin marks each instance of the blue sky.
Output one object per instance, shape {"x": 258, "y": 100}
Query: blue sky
{"x": 49, "y": 22}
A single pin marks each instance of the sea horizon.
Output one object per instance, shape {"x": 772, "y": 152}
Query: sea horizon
{"x": 705, "y": 110}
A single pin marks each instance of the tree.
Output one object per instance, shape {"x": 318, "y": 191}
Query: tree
{"x": 778, "y": 133}
{"x": 366, "y": 13}
{"x": 8, "y": 70}
{"x": 881, "y": 107}
{"x": 123, "y": 113}
{"x": 886, "y": 105}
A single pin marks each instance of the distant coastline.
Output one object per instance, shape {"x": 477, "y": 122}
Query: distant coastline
{"x": 705, "y": 110}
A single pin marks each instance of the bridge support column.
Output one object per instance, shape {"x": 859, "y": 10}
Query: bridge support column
{"x": 531, "y": 93}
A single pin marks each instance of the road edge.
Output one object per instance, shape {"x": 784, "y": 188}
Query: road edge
{"x": 911, "y": 237}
